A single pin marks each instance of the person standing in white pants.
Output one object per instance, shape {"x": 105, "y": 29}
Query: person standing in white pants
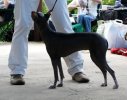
{"x": 19, "y": 49}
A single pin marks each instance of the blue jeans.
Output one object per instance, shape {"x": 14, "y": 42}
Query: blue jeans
{"x": 85, "y": 20}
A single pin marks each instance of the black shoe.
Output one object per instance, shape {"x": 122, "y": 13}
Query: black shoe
{"x": 80, "y": 78}
{"x": 17, "y": 79}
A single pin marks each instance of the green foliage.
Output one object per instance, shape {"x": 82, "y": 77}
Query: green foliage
{"x": 108, "y": 2}
{"x": 73, "y": 11}
{"x": 68, "y": 1}
{"x": 6, "y": 30}
{"x": 44, "y": 7}
{"x": 104, "y": 2}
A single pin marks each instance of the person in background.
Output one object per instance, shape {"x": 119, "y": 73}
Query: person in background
{"x": 117, "y": 4}
{"x": 18, "y": 57}
{"x": 5, "y": 4}
{"x": 124, "y": 3}
{"x": 6, "y": 15}
{"x": 87, "y": 11}
{"x": 121, "y": 13}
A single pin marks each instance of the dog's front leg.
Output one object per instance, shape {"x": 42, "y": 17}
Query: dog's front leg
{"x": 61, "y": 73}
{"x": 55, "y": 69}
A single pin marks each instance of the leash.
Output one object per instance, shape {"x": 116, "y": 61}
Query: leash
{"x": 49, "y": 12}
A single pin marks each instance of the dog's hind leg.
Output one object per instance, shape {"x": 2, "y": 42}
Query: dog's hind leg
{"x": 55, "y": 69}
{"x": 61, "y": 73}
{"x": 100, "y": 64}
{"x": 100, "y": 61}
{"x": 112, "y": 73}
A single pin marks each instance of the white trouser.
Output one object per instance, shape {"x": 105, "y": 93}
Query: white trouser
{"x": 19, "y": 49}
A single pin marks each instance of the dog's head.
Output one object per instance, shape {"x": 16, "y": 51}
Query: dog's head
{"x": 39, "y": 18}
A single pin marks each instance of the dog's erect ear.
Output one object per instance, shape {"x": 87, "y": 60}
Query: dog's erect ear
{"x": 34, "y": 15}
{"x": 47, "y": 15}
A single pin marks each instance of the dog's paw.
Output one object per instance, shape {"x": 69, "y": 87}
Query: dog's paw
{"x": 52, "y": 87}
{"x": 103, "y": 85}
{"x": 60, "y": 85}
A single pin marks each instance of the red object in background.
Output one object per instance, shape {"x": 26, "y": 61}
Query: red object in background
{"x": 119, "y": 51}
{"x": 114, "y": 50}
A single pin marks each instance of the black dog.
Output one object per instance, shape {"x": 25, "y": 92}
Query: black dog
{"x": 61, "y": 44}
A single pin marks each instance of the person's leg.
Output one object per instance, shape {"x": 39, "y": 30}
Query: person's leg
{"x": 86, "y": 20}
{"x": 19, "y": 49}
{"x": 80, "y": 19}
{"x": 60, "y": 18}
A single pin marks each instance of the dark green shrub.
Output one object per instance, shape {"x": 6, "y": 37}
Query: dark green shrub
{"x": 6, "y": 31}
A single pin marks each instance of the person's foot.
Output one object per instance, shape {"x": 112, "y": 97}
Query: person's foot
{"x": 17, "y": 79}
{"x": 80, "y": 78}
